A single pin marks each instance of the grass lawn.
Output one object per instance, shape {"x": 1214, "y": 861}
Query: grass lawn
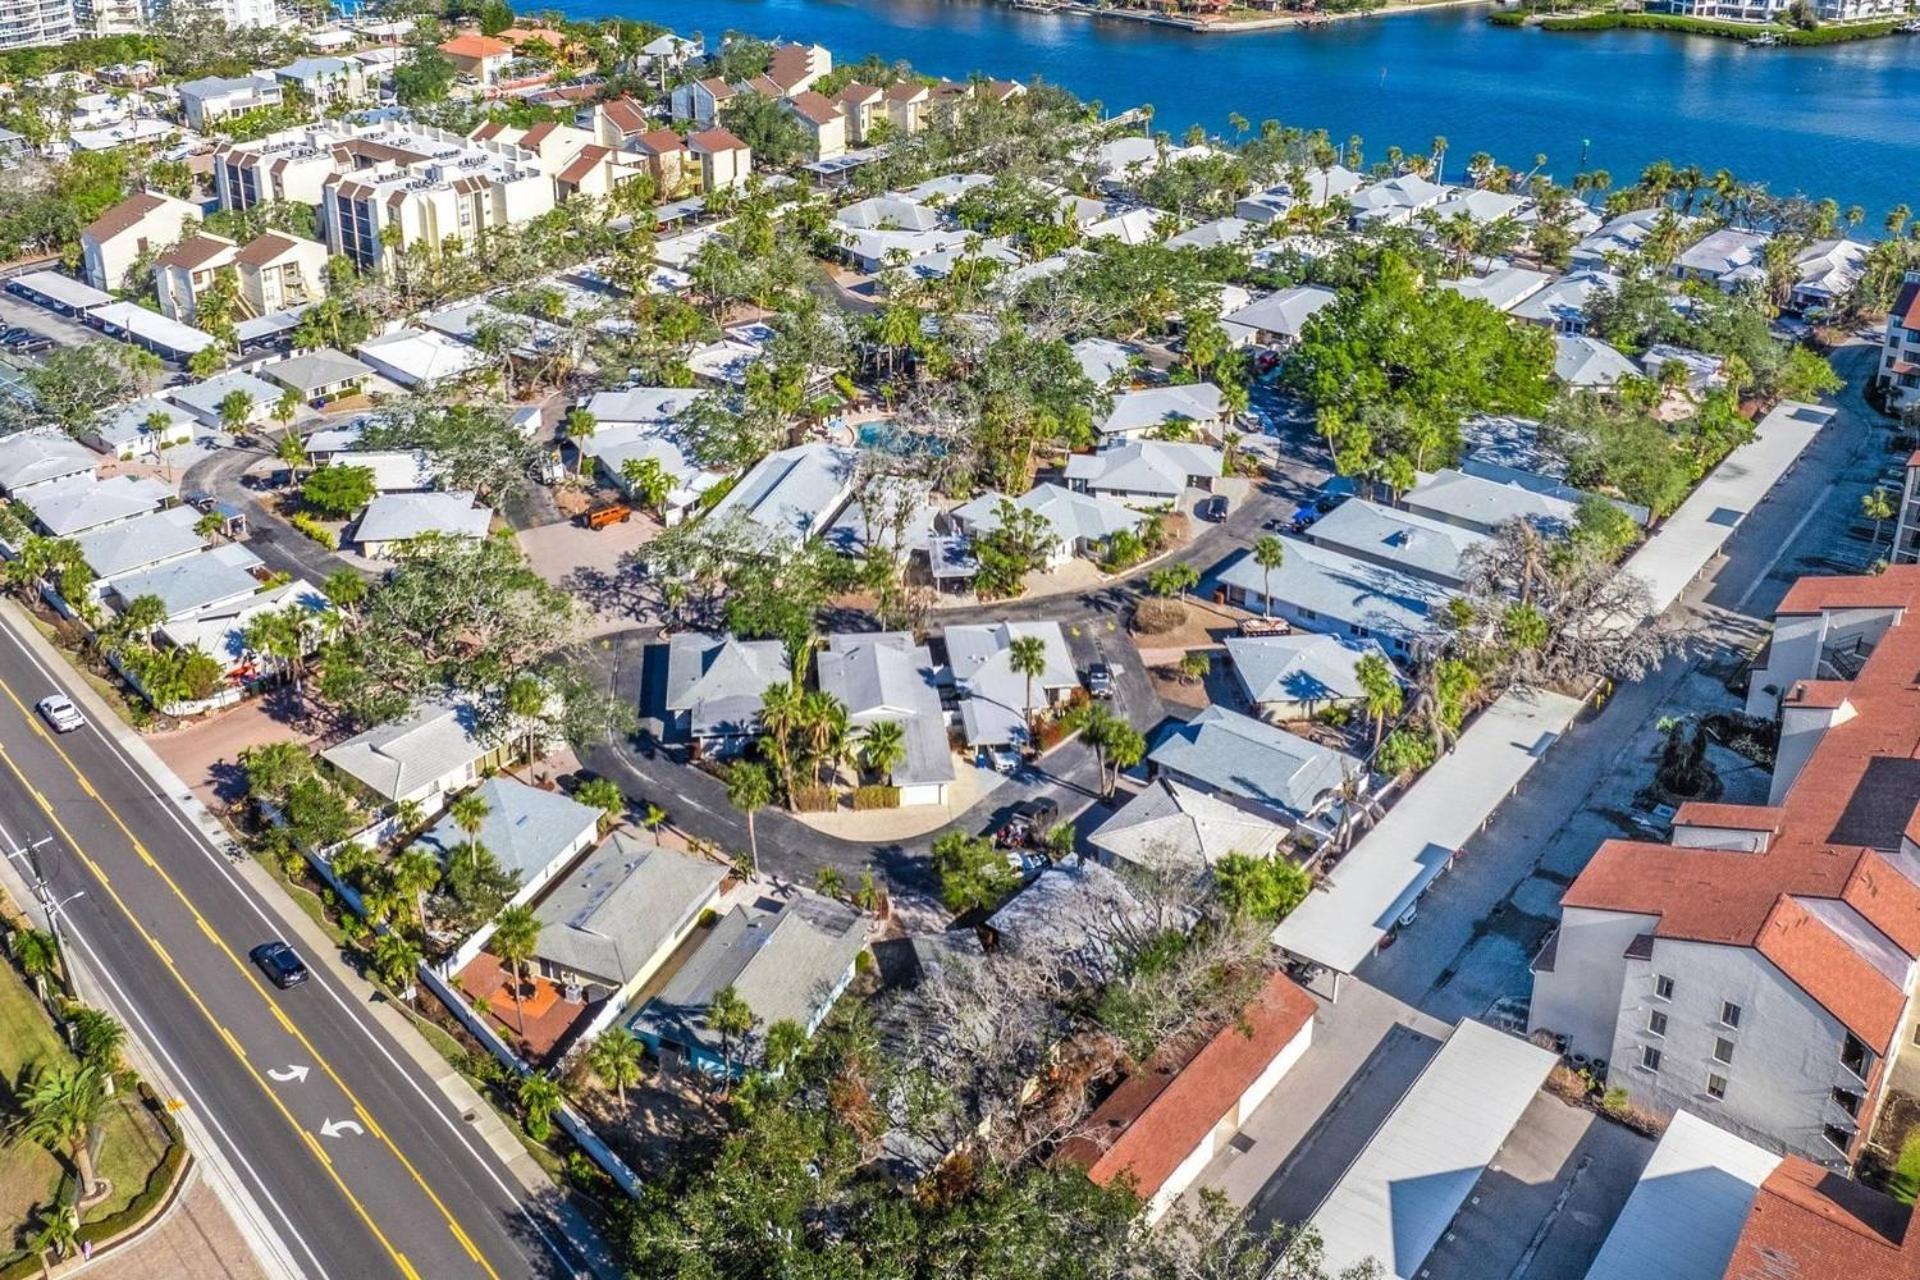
{"x": 1904, "y": 1185}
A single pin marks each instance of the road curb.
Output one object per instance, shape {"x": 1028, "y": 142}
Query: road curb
{"x": 316, "y": 946}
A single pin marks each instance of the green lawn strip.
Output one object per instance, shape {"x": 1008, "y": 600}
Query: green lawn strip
{"x": 1904, "y": 1185}
{"x": 27, "y": 1037}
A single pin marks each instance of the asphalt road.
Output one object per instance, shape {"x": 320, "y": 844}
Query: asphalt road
{"x": 282, "y": 548}
{"x": 357, "y": 1160}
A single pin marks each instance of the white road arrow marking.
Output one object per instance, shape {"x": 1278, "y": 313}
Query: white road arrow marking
{"x": 286, "y": 1075}
{"x": 334, "y": 1128}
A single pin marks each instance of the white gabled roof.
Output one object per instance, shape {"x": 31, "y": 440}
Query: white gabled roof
{"x": 36, "y": 457}
{"x": 1153, "y": 407}
{"x": 1157, "y": 467}
{"x": 1171, "y": 821}
{"x": 397, "y": 517}
{"x": 1284, "y": 312}
{"x": 1395, "y": 1200}
{"x": 1582, "y": 361}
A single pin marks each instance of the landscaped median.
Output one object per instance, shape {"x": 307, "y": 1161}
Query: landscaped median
{"x": 62, "y": 1099}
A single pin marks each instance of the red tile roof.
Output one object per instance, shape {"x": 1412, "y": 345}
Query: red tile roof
{"x": 625, "y": 115}
{"x": 1838, "y": 842}
{"x": 792, "y": 63}
{"x": 475, "y": 46}
{"x": 659, "y": 142}
{"x": 815, "y": 107}
{"x": 715, "y": 139}
{"x": 583, "y": 164}
{"x": 1729, "y": 817}
{"x": 1808, "y": 1223}
{"x": 1819, "y": 695}
{"x": 1150, "y": 1124}
{"x": 1906, "y": 306}
{"x": 194, "y": 252}
{"x": 533, "y": 137}
{"x": 124, "y": 215}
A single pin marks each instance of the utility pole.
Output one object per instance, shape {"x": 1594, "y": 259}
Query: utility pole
{"x": 29, "y": 858}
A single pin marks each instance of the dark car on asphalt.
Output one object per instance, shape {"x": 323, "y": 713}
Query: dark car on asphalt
{"x": 25, "y": 342}
{"x": 1029, "y": 823}
{"x": 282, "y": 965}
{"x": 1212, "y": 509}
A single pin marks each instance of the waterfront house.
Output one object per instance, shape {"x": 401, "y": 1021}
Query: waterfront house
{"x": 1397, "y": 201}
{"x": 1825, "y": 272}
{"x": 1728, "y": 257}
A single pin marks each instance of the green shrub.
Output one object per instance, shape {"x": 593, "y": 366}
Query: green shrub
{"x": 314, "y": 529}
{"x": 1507, "y": 18}
{"x": 878, "y": 796}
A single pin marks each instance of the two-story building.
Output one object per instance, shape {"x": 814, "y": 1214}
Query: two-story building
{"x": 1759, "y": 968}
{"x": 1900, "y": 362}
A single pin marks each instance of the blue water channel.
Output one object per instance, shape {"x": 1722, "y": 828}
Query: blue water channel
{"x": 1832, "y": 121}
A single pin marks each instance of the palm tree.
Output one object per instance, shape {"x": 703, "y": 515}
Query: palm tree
{"x": 580, "y": 426}
{"x": 515, "y": 935}
{"x": 605, "y": 795}
{"x": 415, "y": 871}
{"x": 408, "y": 817}
{"x": 1381, "y": 691}
{"x": 749, "y": 789}
{"x": 539, "y": 1099}
{"x": 97, "y": 1037}
{"x": 292, "y": 450}
{"x": 58, "y": 1108}
{"x": 345, "y": 589}
{"x": 1027, "y": 656}
{"x": 615, "y": 1058}
{"x": 285, "y": 409}
{"x": 1877, "y": 506}
{"x": 396, "y": 958}
{"x": 780, "y": 720}
{"x": 732, "y": 1020}
{"x": 1269, "y": 553}
{"x": 653, "y": 817}
{"x": 469, "y": 813}
{"x": 37, "y": 954}
{"x": 59, "y": 1233}
{"x": 883, "y": 745}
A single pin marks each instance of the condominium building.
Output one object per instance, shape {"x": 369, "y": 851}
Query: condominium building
{"x": 29, "y": 22}
{"x": 293, "y": 166}
{"x": 1900, "y": 361}
{"x": 426, "y": 187}
{"x": 1760, "y": 967}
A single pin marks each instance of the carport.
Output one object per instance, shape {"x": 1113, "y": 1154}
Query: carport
{"x": 57, "y": 292}
{"x": 1378, "y": 884}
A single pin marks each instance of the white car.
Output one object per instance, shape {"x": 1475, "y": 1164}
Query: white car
{"x": 58, "y": 710}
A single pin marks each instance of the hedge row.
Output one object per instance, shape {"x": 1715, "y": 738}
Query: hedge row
{"x": 812, "y": 799}
{"x": 314, "y": 529}
{"x": 1834, "y": 34}
{"x": 878, "y": 796}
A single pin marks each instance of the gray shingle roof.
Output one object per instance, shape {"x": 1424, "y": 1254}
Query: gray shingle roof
{"x": 315, "y": 370}
{"x": 526, "y": 828}
{"x": 1172, "y": 823}
{"x": 1075, "y": 518}
{"x": 886, "y": 676}
{"x": 719, "y": 680}
{"x": 79, "y": 503}
{"x": 1159, "y": 468}
{"x": 994, "y": 712}
{"x": 397, "y": 517}
{"x": 1397, "y": 539}
{"x": 191, "y": 583}
{"x": 1197, "y": 402}
{"x": 1483, "y": 503}
{"x": 395, "y": 759}
{"x": 794, "y": 493}
{"x": 1565, "y": 300}
{"x": 1303, "y": 667}
{"x": 786, "y": 964}
{"x": 1582, "y": 361}
{"x": 203, "y": 398}
{"x": 142, "y": 541}
{"x": 36, "y": 457}
{"x": 609, "y": 916}
{"x": 1249, "y": 758}
{"x": 1343, "y": 589}
{"x": 1284, "y": 312}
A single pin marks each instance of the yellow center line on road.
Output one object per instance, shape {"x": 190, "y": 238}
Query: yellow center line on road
{"x": 226, "y": 1037}
{"x": 245, "y": 972}
{"x": 446, "y": 1214}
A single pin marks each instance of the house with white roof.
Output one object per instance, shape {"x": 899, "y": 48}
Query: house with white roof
{"x": 211, "y": 99}
{"x": 1277, "y": 319}
{"x": 419, "y": 357}
{"x": 993, "y": 698}
{"x": 141, "y": 428}
{"x": 70, "y": 507}
{"x": 887, "y": 677}
{"x": 320, "y": 375}
{"x": 1296, "y": 677}
{"x": 215, "y": 577}
{"x": 220, "y": 631}
{"x": 1503, "y": 288}
{"x": 1729, "y": 257}
{"x": 394, "y": 519}
{"x": 1700, "y": 372}
{"x": 1395, "y": 201}
{"x": 203, "y": 399}
{"x": 1105, "y": 362}
{"x": 1134, "y": 226}
{"x": 534, "y": 834}
{"x": 1195, "y": 406}
{"x": 1622, "y": 236}
{"x": 1220, "y": 232}
{"x": 142, "y": 542}
{"x": 1585, "y": 363}
{"x": 1226, "y": 753}
{"x": 1481, "y": 502}
{"x": 1145, "y": 473}
{"x": 714, "y": 687}
{"x": 1124, "y": 160}
{"x": 1319, "y": 589}
{"x": 1561, "y": 305}
{"x": 436, "y": 748}
{"x": 793, "y": 494}
{"x": 29, "y": 458}
{"x": 1399, "y": 540}
{"x": 1170, "y": 824}
{"x": 1825, "y": 272}
{"x": 1081, "y": 523}
{"x": 1316, "y": 187}
{"x": 1481, "y": 207}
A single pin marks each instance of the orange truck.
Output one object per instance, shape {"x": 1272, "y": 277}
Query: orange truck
{"x": 611, "y": 513}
